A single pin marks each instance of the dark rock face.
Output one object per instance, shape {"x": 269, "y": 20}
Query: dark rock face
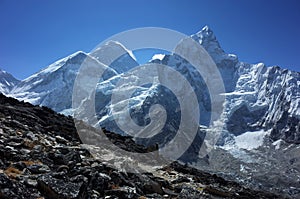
{"x": 283, "y": 91}
{"x": 286, "y": 128}
{"x": 41, "y": 157}
{"x": 243, "y": 120}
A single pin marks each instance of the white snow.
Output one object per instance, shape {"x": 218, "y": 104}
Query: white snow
{"x": 250, "y": 140}
{"x": 158, "y": 56}
{"x": 131, "y": 55}
{"x": 239, "y": 93}
{"x": 68, "y": 112}
{"x": 288, "y": 147}
{"x": 113, "y": 47}
{"x": 277, "y": 144}
{"x": 242, "y": 169}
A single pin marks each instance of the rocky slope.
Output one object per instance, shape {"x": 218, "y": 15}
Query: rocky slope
{"x": 41, "y": 157}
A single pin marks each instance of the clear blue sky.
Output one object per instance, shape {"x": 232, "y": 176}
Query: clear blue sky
{"x": 35, "y": 33}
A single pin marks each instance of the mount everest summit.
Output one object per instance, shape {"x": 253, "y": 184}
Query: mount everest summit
{"x": 261, "y": 108}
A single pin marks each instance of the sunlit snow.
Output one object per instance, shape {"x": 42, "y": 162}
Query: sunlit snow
{"x": 250, "y": 140}
{"x": 158, "y": 56}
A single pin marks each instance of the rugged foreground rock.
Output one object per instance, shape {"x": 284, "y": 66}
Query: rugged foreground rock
{"x": 41, "y": 157}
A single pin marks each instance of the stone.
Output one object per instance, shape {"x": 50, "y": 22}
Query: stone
{"x": 150, "y": 186}
{"x": 57, "y": 188}
{"x": 31, "y": 182}
{"x": 64, "y": 168}
{"x": 38, "y": 168}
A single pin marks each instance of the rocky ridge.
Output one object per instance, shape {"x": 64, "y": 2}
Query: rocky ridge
{"x": 41, "y": 157}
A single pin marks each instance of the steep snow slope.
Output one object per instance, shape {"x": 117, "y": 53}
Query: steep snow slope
{"x": 7, "y": 82}
{"x": 265, "y": 97}
{"x": 53, "y": 85}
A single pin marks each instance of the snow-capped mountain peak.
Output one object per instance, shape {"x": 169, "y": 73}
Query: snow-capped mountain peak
{"x": 207, "y": 38}
{"x": 209, "y": 41}
{"x": 33, "y": 80}
{"x": 75, "y": 57}
{"x": 7, "y": 82}
{"x": 206, "y": 34}
{"x": 115, "y": 55}
{"x": 53, "y": 85}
